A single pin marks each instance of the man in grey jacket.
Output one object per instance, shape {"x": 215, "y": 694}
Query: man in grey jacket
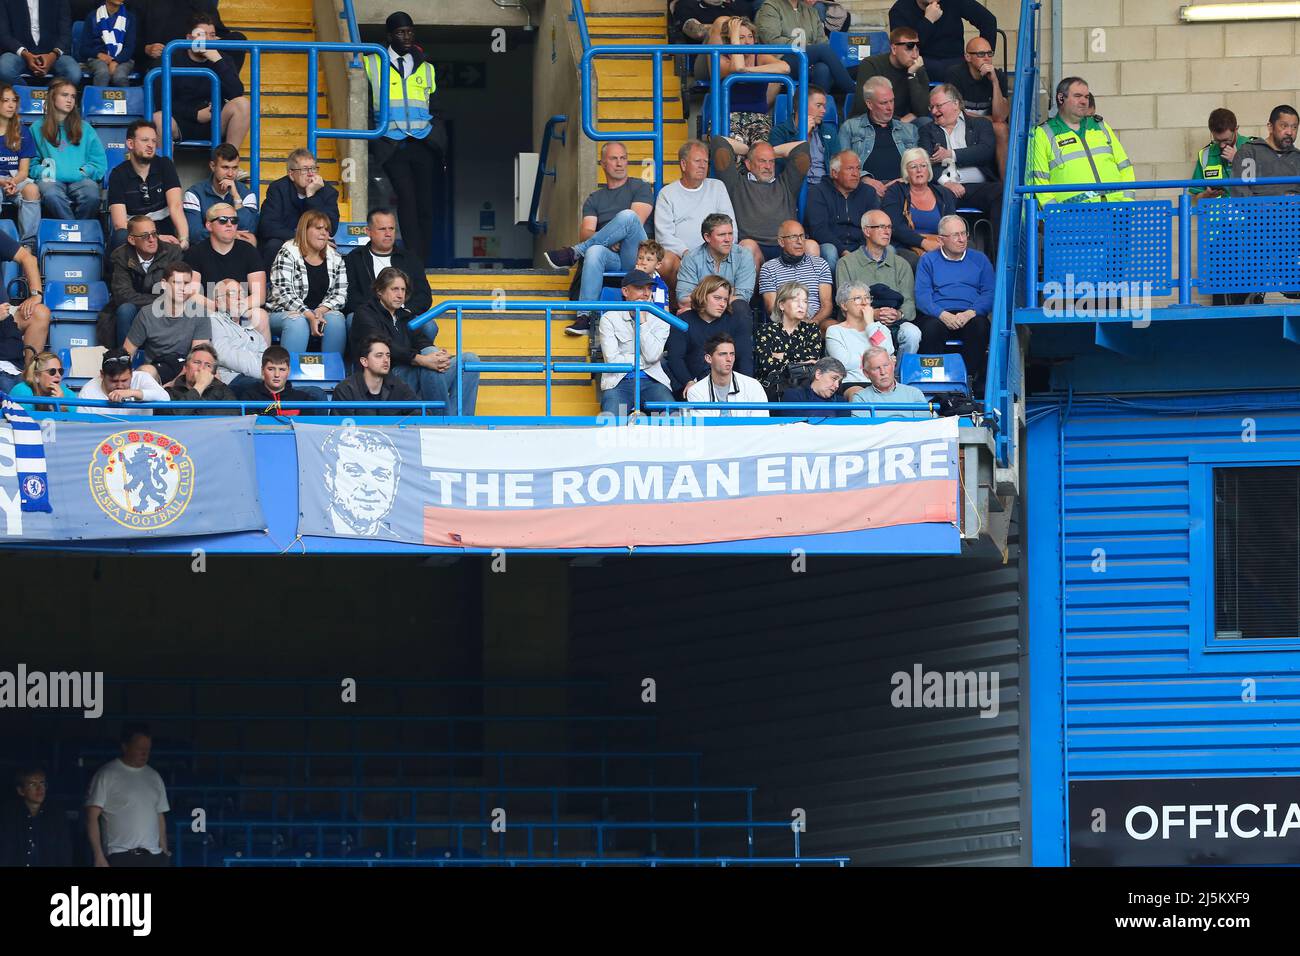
{"x": 1272, "y": 155}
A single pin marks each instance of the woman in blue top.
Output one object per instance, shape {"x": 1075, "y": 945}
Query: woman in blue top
{"x": 915, "y": 205}
{"x": 72, "y": 157}
{"x": 17, "y": 148}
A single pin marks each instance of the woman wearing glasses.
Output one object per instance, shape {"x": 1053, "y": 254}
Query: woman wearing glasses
{"x": 309, "y": 285}
{"x": 788, "y": 339}
{"x": 43, "y": 378}
{"x": 915, "y": 205}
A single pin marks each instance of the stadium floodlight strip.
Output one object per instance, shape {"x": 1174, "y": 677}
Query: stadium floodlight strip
{"x": 1216, "y": 12}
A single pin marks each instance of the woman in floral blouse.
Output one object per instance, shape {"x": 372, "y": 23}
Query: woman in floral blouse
{"x": 787, "y": 338}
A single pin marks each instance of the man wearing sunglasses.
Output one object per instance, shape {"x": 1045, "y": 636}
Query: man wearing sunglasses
{"x": 117, "y": 383}
{"x": 938, "y": 25}
{"x": 224, "y": 257}
{"x": 984, "y": 90}
{"x": 146, "y": 185}
{"x": 901, "y": 65}
{"x": 137, "y": 269}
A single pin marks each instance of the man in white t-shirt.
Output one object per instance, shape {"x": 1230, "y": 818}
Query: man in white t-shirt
{"x": 722, "y": 384}
{"x": 681, "y": 207}
{"x": 117, "y": 383}
{"x": 126, "y": 807}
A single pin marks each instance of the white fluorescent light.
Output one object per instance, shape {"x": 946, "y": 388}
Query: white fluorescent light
{"x": 1211, "y": 12}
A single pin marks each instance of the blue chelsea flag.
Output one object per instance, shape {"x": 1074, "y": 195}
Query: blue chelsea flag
{"x": 29, "y": 450}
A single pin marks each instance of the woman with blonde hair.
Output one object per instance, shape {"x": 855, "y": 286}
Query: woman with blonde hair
{"x": 42, "y": 378}
{"x": 915, "y": 205}
{"x": 309, "y": 285}
{"x": 748, "y": 103}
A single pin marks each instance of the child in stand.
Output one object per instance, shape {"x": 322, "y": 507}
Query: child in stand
{"x": 649, "y": 256}
{"x": 108, "y": 44}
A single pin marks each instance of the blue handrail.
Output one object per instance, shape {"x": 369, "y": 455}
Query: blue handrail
{"x": 538, "y": 226}
{"x": 391, "y": 828}
{"x": 255, "y": 49}
{"x": 156, "y": 74}
{"x": 579, "y": 16}
{"x": 550, "y": 365}
{"x": 764, "y": 78}
{"x": 349, "y": 15}
{"x": 655, "y": 135}
{"x": 1002, "y": 380}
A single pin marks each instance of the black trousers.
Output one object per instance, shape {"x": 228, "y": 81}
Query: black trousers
{"x": 415, "y": 170}
{"x": 130, "y": 859}
{"x": 974, "y": 338}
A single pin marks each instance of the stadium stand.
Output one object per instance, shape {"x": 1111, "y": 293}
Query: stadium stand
{"x": 329, "y": 792}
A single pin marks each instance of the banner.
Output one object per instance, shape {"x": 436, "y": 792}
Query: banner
{"x": 154, "y": 476}
{"x": 605, "y": 487}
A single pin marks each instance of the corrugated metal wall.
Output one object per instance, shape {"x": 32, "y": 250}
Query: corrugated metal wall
{"x": 1142, "y": 699}
{"x": 783, "y": 680}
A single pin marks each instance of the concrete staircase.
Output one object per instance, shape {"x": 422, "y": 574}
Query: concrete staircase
{"x": 516, "y": 337}
{"x": 624, "y": 95}
{"x": 284, "y": 86}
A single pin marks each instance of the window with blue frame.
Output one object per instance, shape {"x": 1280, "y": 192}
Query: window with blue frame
{"x": 1257, "y": 553}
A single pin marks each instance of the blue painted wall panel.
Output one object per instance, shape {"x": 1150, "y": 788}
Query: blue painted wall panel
{"x": 1123, "y": 647}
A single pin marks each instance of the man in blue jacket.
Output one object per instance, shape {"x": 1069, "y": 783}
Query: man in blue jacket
{"x": 836, "y": 205}
{"x": 300, "y": 190}
{"x": 954, "y": 296}
{"x": 40, "y": 47}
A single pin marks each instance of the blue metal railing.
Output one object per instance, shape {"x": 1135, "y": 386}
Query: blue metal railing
{"x": 275, "y": 832}
{"x": 349, "y": 16}
{"x": 538, "y": 226}
{"x": 155, "y": 75}
{"x": 549, "y": 366}
{"x": 1182, "y": 211}
{"x": 1002, "y": 380}
{"x": 655, "y": 135}
{"x": 720, "y": 114}
{"x": 255, "y": 49}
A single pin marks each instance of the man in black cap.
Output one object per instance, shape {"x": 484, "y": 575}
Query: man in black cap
{"x": 412, "y": 151}
{"x": 618, "y": 344}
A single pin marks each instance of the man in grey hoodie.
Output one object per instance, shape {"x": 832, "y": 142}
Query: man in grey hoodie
{"x": 1273, "y": 155}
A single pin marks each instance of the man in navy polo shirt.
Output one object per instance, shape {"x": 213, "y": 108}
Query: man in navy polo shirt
{"x": 146, "y": 185}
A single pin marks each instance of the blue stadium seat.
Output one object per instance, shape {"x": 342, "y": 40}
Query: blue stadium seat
{"x": 71, "y": 251}
{"x": 934, "y": 374}
{"x": 113, "y": 137}
{"x": 611, "y": 294}
{"x": 74, "y": 308}
{"x": 8, "y": 228}
{"x": 349, "y": 235}
{"x": 115, "y": 158}
{"x": 850, "y": 49}
{"x": 78, "y": 34}
{"x": 31, "y": 100}
{"x": 303, "y": 366}
{"x": 112, "y": 105}
{"x": 69, "y": 380}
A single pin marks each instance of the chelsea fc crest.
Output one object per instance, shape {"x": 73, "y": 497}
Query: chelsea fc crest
{"x": 141, "y": 479}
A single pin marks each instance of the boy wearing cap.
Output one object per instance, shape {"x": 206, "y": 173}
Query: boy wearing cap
{"x": 618, "y": 341}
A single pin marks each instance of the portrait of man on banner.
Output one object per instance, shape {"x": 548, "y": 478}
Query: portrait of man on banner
{"x": 361, "y": 474}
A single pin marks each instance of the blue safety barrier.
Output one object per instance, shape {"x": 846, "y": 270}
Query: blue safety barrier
{"x": 255, "y": 49}
{"x": 156, "y": 76}
{"x": 390, "y": 832}
{"x": 652, "y": 862}
{"x": 535, "y": 225}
